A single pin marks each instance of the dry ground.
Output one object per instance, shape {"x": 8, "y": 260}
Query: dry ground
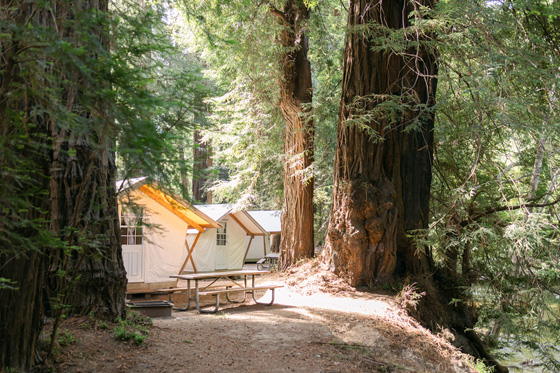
{"x": 317, "y": 324}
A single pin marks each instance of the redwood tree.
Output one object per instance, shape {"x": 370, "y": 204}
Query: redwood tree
{"x": 297, "y": 240}
{"x": 383, "y": 164}
{"x": 383, "y": 160}
{"x": 58, "y": 221}
{"x": 83, "y": 204}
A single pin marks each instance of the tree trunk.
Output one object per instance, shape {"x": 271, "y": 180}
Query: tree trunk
{"x": 83, "y": 203}
{"x": 297, "y": 238}
{"x": 84, "y": 214}
{"x": 59, "y": 230}
{"x": 201, "y": 163}
{"x": 21, "y": 309}
{"x": 383, "y": 165}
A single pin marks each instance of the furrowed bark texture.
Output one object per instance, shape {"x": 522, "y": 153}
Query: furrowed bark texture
{"x": 384, "y": 154}
{"x": 297, "y": 239}
{"x": 23, "y": 206}
{"x": 383, "y": 168}
{"x": 21, "y": 309}
{"x": 83, "y": 202}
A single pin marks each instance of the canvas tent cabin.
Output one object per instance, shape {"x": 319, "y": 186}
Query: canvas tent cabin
{"x": 226, "y": 247}
{"x": 154, "y": 225}
{"x": 271, "y": 222}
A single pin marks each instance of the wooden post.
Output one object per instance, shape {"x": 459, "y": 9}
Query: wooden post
{"x": 190, "y": 251}
{"x": 247, "y": 251}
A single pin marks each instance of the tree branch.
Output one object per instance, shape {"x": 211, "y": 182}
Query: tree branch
{"x": 278, "y": 14}
{"x": 491, "y": 211}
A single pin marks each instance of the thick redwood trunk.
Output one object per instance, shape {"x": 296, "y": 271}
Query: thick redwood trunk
{"x": 21, "y": 309}
{"x": 83, "y": 204}
{"x": 84, "y": 214}
{"x": 23, "y": 206}
{"x": 53, "y": 124}
{"x": 382, "y": 166}
{"x": 297, "y": 239}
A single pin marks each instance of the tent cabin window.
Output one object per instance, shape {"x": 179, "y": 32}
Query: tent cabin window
{"x": 221, "y": 234}
{"x": 131, "y": 230}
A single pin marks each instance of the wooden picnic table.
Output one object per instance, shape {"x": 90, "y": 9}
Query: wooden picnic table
{"x": 271, "y": 259}
{"x": 233, "y": 284}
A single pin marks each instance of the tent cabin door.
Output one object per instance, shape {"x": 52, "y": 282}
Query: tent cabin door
{"x": 132, "y": 247}
{"x": 221, "y": 246}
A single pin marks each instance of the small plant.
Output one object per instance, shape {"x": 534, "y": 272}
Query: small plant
{"x": 66, "y": 339}
{"x": 480, "y": 367}
{"x": 103, "y": 325}
{"x": 409, "y": 296}
{"x": 133, "y": 328}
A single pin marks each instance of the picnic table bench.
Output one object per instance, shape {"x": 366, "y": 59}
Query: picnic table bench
{"x": 232, "y": 286}
{"x": 171, "y": 291}
{"x": 231, "y": 289}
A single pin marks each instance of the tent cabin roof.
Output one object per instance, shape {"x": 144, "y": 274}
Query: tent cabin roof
{"x": 269, "y": 220}
{"x": 177, "y": 205}
{"x": 241, "y": 217}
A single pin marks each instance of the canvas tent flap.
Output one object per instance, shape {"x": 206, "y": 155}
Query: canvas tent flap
{"x": 205, "y": 252}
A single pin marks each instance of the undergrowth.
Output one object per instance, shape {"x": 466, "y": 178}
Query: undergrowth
{"x": 134, "y": 328}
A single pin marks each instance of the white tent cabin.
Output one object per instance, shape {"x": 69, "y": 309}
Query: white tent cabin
{"x": 154, "y": 225}
{"x": 271, "y": 222}
{"x": 224, "y": 248}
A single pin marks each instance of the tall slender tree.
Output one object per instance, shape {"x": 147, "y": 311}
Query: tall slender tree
{"x": 297, "y": 239}
{"x": 201, "y": 162}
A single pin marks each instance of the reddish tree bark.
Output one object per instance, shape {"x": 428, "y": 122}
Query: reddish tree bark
{"x": 297, "y": 238}
{"x": 382, "y": 166}
{"x": 64, "y": 174}
{"x": 83, "y": 203}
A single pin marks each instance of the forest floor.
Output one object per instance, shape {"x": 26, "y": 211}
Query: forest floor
{"x": 317, "y": 324}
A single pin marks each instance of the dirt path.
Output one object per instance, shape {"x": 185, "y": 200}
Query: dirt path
{"x": 347, "y": 332}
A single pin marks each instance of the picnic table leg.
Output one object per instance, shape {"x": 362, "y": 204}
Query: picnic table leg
{"x": 198, "y": 304}
{"x": 253, "y": 294}
{"x": 215, "y": 309}
{"x": 266, "y": 304}
{"x": 186, "y": 308}
{"x": 244, "y": 294}
{"x": 236, "y": 301}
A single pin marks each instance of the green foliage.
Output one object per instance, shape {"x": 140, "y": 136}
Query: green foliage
{"x": 159, "y": 94}
{"x": 326, "y": 44}
{"x": 8, "y": 284}
{"x": 480, "y": 367}
{"x": 65, "y": 338}
{"x": 134, "y": 328}
{"x": 495, "y": 222}
{"x": 236, "y": 42}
